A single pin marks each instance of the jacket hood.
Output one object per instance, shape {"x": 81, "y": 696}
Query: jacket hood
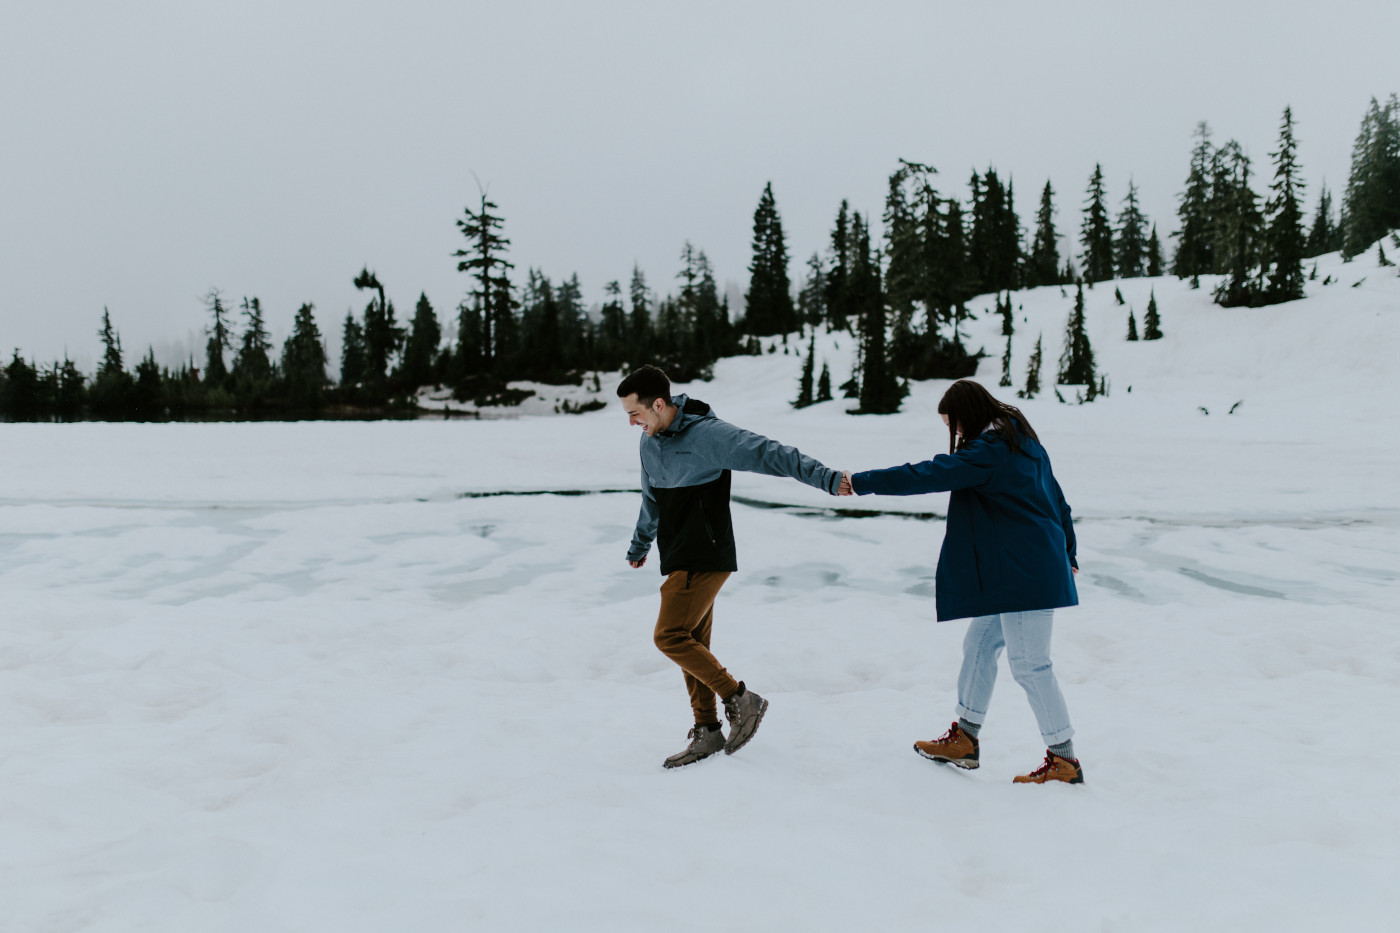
{"x": 692, "y": 410}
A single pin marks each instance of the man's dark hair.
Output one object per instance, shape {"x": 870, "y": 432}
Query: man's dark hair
{"x": 648, "y": 384}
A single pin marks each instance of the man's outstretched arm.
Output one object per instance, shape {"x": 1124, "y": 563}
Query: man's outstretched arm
{"x": 737, "y": 449}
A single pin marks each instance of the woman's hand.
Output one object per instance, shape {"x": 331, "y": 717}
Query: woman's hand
{"x": 845, "y": 488}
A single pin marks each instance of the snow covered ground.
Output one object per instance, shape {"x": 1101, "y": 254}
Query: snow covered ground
{"x": 292, "y": 677}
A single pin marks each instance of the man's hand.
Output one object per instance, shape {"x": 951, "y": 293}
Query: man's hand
{"x": 637, "y": 563}
{"x": 845, "y": 488}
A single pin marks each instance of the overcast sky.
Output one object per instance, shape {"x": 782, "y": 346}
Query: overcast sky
{"x": 153, "y": 150}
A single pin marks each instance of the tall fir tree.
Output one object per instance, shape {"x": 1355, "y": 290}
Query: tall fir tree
{"x": 1132, "y": 326}
{"x": 1371, "y": 205}
{"x": 1235, "y": 210}
{"x": 1194, "y": 250}
{"x": 1325, "y": 235}
{"x": 811, "y": 299}
{"x": 1032, "y": 388}
{"x": 1130, "y": 244}
{"x": 640, "y": 318}
{"x": 220, "y": 339}
{"x": 1095, "y": 234}
{"x": 421, "y": 347}
{"x": 1284, "y": 241}
{"x": 1154, "y": 254}
{"x": 352, "y": 354}
{"x": 838, "y": 295}
{"x": 824, "y": 384}
{"x": 1006, "y": 364}
{"x": 1077, "y": 359}
{"x": 880, "y": 391}
{"x": 304, "y": 361}
{"x": 252, "y": 366}
{"x": 111, "y": 387}
{"x": 768, "y": 303}
{"x": 1152, "y": 322}
{"x": 1044, "y": 266}
{"x": 382, "y": 335}
{"x": 484, "y": 259}
{"x": 804, "y": 385}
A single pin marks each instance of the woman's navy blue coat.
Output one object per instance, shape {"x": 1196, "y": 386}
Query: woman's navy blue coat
{"x": 1009, "y": 543}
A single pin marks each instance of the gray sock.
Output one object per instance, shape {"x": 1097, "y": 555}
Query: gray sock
{"x": 1064, "y": 749}
{"x": 971, "y": 728}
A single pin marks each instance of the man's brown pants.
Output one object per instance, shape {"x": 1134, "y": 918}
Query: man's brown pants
{"x": 683, "y": 635}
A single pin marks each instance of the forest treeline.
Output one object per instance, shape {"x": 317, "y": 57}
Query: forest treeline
{"x": 903, "y": 296}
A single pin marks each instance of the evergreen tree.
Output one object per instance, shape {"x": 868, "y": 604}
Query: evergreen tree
{"x": 838, "y": 299}
{"x": 1130, "y": 247}
{"x": 1152, "y": 324}
{"x": 382, "y": 335}
{"x": 1095, "y": 234}
{"x": 1033, "y": 373}
{"x": 641, "y": 316}
{"x": 1325, "y": 235}
{"x": 146, "y": 389}
{"x": 1284, "y": 242}
{"x": 811, "y": 300}
{"x": 20, "y": 388}
{"x": 612, "y": 328}
{"x": 824, "y": 384}
{"x": 70, "y": 391}
{"x": 1371, "y": 205}
{"x": 1006, "y": 364}
{"x": 1154, "y": 254}
{"x": 1235, "y": 208}
{"x": 220, "y": 339}
{"x": 304, "y": 361}
{"x": 484, "y": 259}
{"x": 352, "y": 354}
{"x": 880, "y": 391}
{"x": 804, "y": 386}
{"x": 768, "y": 303}
{"x": 112, "y": 386}
{"x": 1004, "y": 309}
{"x": 1194, "y": 254}
{"x": 1132, "y": 326}
{"x": 420, "y": 350}
{"x": 1077, "y": 359}
{"x": 252, "y": 368}
{"x": 1044, "y": 266}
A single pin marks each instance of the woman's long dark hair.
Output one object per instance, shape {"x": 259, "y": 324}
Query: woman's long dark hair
{"x": 971, "y": 409}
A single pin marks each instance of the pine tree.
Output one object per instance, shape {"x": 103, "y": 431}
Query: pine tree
{"x": 1044, "y": 268}
{"x": 1371, "y": 205}
{"x": 1006, "y": 364}
{"x": 20, "y": 393}
{"x": 352, "y": 353}
{"x": 838, "y": 298}
{"x": 880, "y": 391}
{"x": 146, "y": 388}
{"x": 1154, "y": 254}
{"x": 1284, "y": 241}
{"x": 1132, "y": 326}
{"x": 304, "y": 361}
{"x": 1235, "y": 209}
{"x": 1129, "y": 247}
{"x": 612, "y": 328}
{"x": 1152, "y": 324}
{"x": 1008, "y": 326}
{"x": 804, "y": 387}
{"x": 112, "y": 386}
{"x": 640, "y": 317}
{"x": 824, "y": 384}
{"x": 382, "y": 335}
{"x": 421, "y": 347}
{"x": 768, "y": 303}
{"x": 484, "y": 259}
{"x": 1095, "y": 235}
{"x": 811, "y": 300}
{"x": 1077, "y": 359}
{"x": 1033, "y": 373}
{"x": 220, "y": 339}
{"x": 252, "y": 368}
{"x": 1325, "y": 236}
{"x": 1194, "y": 254}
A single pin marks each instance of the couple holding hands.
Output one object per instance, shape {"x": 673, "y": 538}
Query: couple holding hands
{"x": 1008, "y": 557}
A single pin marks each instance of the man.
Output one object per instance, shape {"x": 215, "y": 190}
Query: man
{"x": 687, "y": 455}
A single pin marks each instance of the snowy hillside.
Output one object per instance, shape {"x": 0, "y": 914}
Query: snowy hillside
{"x": 323, "y": 677}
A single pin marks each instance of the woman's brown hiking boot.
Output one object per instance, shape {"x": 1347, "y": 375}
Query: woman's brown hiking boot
{"x": 1054, "y": 768}
{"x": 956, "y": 747}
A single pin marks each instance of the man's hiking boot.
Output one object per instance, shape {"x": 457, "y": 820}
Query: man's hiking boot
{"x": 744, "y": 710}
{"x": 1054, "y": 768}
{"x": 704, "y": 742}
{"x": 955, "y": 747}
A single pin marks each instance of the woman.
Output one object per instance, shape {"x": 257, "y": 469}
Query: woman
{"x": 1008, "y": 561}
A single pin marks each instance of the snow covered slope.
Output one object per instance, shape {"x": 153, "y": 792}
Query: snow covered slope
{"x": 287, "y": 677}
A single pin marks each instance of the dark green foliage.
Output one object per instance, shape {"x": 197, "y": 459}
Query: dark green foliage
{"x": 1132, "y": 326}
{"x": 824, "y": 384}
{"x": 1236, "y": 247}
{"x": 994, "y": 241}
{"x": 20, "y": 390}
{"x": 804, "y": 386}
{"x": 220, "y": 339}
{"x": 1154, "y": 254}
{"x": 1130, "y": 244}
{"x": 1325, "y": 235}
{"x": 1371, "y": 206}
{"x": 1006, "y": 364}
{"x": 1095, "y": 234}
{"x": 147, "y": 395}
{"x": 1043, "y": 267}
{"x": 811, "y": 300}
{"x": 1032, "y": 372}
{"x": 382, "y": 339}
{"x": 880, "y": 392}
{"x": 252, "y": 375}
{"x": 1118, "y": 297}
{"x": 1284, "y": 242}
{"x": 1152, "y": 323}
{"x": 111, "y": 389}
{"x": 304, "y": 362}
{"x": 1008, "y": 326}
{"x": 768, "y": 303}
{"x": 352, "y": 354}
{"x": 421, "y": 348}
{"x": 838, "y": 299}
{"x": 491, "y": 299}
{"x": 1194, "y": 251}
{"x": 1077, "y": 359}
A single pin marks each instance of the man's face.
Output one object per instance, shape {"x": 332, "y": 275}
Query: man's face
{"x": 649, "y": 417}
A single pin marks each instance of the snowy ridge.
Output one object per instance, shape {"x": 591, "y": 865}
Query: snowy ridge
{"x": 289, "y": 677}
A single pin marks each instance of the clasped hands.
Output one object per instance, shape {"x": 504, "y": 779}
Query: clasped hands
{"x": 845, "y": 488}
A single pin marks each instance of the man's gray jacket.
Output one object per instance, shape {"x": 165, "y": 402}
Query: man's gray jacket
{"x": 685, "y": 486}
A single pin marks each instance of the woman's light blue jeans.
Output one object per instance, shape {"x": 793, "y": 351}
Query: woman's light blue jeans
{"x": 1026, "y": 638}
